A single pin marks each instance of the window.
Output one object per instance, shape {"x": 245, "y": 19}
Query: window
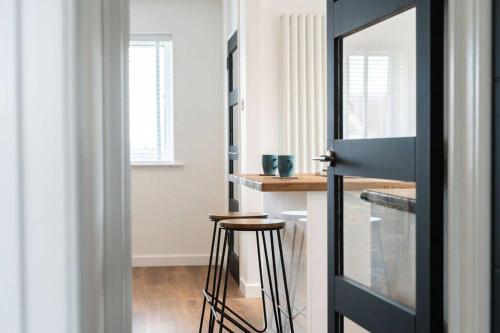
{"x": 151, "y": 99}
{"x": 379, "y": 96}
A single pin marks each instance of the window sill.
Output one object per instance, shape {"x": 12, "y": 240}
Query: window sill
{"x": 157, "y": 164}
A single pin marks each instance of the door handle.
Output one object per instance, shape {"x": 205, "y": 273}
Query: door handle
{"x": 329, "y": 156}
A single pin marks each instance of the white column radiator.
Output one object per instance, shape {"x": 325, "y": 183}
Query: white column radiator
{"x": 304, "y": 88}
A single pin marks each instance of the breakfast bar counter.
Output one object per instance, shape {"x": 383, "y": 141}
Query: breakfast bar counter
{"x": 302, "y": 202}
{"x": 307, "y": 182}
{"x": 300, "y": 182}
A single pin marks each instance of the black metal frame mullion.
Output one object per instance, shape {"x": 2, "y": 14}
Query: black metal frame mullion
{"x": 370, "y": 310}
{"x": 334, "y": 131}
{"x": 389, "y": 316}
{"x": 430, "y": 166}
{"x": 353, "y": 15}
{"x": 386, "y": 158}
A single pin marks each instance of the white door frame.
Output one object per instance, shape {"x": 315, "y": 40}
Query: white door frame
{"x": 469, "y": 88}
{"x": 64, "y": 187}
{"x": 117, "y": 227}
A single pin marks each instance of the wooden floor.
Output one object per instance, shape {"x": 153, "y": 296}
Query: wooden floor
{"x": 169, "y": 300}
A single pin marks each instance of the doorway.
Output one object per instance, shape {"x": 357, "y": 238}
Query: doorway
{"x": 178, "y": 157}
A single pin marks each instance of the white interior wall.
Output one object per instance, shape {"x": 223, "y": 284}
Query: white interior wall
{"x": 270, "y": 66}
{"x": 170, "y": 204}
{"x": 260, "y": 86}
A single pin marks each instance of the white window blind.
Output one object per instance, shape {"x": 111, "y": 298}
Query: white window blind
{"x": 377, "y": 94}
{"x": 151, "y": 99}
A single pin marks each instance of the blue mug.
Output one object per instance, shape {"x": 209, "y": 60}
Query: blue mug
{"x": 285, "y": 165}
{"x": 269, "y": 164}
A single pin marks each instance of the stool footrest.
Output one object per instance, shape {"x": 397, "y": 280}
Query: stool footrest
{"x": 284, "y": 311}
{"x": 266, "y": 293}
{"x": 215, "y": 309}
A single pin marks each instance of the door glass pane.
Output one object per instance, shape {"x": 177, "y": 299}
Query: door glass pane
{"x": 235, "y": 56}
{"x": 379, "y": 79}
{"x": 352, "y": 327}
{"x": 379, "y": 236}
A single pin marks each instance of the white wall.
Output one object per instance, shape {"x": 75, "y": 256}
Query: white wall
{"x": 170, "y": 204}
{"x": 269, "y": 64}
{"x": 261, "y": 64}
{"x": 260, "y": 31}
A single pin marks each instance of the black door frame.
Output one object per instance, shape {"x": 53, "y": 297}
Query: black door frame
{"x": 233, "y": 149}
{"x": 348, "y": 298}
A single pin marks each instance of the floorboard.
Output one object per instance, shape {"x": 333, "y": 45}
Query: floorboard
{"x": 169, "y": 300}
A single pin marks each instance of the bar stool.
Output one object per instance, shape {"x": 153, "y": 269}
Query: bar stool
{"x": 258, "y": 226}
{"x": 216, "y": 218}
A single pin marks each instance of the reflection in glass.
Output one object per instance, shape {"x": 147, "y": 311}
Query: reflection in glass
{"x": 379, "y": 73}
{"x": 352, "y": 327}
{"x": 235, "y": 56}
{"x": 379, "y": 236}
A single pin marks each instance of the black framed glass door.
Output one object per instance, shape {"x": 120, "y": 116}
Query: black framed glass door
{"x": 385, "y": 183}
{"x": 232, "y": 62}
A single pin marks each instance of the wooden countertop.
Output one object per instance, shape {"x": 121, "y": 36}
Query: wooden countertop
{"x": 404, "y": 193}
{"x": 403, "y": 199}
{"x": 303, "y": 182}
{"x": 311, "y": 182}
{"x": 360, "y": 184}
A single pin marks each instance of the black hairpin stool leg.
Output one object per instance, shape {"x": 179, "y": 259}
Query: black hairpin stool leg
{"x": 226, "y": 280}
{"x": 271, "y": 289}
{"x": 221, "y": 313}
{"x": 215, "y": 296}
{"x": 224, "y": 310}
{"x": 212, "y": 294}
{"x": 289, "y": 308}
{"x": 208, "y": 278}
{"x": 276, "y": 280}
{"x": 261, "y": 283}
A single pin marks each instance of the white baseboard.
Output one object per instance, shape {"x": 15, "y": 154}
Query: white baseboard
{"x": 170, "y": 260}
{"x": 249, "y": 290}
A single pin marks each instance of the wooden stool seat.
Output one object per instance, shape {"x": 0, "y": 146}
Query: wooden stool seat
{"x": 219, "y": 216}
{"x": 252, "y": 224}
